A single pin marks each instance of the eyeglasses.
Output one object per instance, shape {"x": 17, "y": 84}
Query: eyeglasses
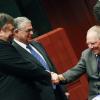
{"x": 27, "y": 31}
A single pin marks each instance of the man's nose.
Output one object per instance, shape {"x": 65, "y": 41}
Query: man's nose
{"x": 31, "y": 32}
{"x": 91, "y": 46}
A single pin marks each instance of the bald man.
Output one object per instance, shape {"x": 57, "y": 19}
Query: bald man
{"x": 89, "y": 63}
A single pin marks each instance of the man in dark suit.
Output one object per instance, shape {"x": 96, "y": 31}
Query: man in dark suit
{"x": 23, "y": 37}
{"x": 19, "y": 78}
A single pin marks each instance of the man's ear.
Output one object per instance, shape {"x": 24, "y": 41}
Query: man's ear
{"x": 15, "y": 30}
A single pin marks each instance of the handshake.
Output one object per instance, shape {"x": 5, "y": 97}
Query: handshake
{"x": 56, "y": 78}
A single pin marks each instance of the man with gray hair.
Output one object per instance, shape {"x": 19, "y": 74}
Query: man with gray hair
{"x": 34, "y": 52}
{"x": 89, "y": 63}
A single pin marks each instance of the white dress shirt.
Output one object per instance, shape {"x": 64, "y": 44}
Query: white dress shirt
{"x": 24, "y": 46}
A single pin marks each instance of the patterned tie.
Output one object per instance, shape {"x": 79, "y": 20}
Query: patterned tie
{"x": 38, "y": 57}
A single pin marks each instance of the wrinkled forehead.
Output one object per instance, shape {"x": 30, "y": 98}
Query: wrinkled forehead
{"x": 92, "y": 36}
{"x": 25, "y": 25}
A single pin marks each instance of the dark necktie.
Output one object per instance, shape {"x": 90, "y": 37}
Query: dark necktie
{"x": 38, "y": 57}
{"x": 98, "y": 63}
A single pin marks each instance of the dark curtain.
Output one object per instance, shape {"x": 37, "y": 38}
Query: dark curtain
{"x": 76, "y": 17}
{"x": 10, "y": 7}
{"x": 33, "y": 9}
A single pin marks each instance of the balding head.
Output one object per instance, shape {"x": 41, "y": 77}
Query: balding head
{"x": 93, "y": 33}
{"x": 93, "y": 39}
{"x": 20, "y": 22}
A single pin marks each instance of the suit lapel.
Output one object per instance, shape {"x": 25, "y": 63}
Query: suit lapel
{"x": 26, "y": 54}
{"x": 40, "y": 48}
{"x": 93, "y": 62}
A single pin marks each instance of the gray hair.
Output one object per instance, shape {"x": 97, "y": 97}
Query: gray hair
{"x": 20, "y": 22}
{"x": 96, "y": 29}
{"x": 5, "y": 18}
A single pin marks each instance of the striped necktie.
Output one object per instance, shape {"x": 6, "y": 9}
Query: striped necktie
{"x": 38, "y": 57}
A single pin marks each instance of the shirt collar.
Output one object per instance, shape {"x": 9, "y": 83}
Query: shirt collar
{"x": 20, "y": 43}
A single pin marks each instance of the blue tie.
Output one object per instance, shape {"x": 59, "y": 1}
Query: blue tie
{"x": 38, "y": 57}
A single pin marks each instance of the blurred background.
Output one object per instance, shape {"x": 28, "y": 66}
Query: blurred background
{"x": 75, "y": 16}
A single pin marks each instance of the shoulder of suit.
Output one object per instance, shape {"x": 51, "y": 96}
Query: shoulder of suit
{"x": 35, "y": 42}
{"x": 87, "y": 52}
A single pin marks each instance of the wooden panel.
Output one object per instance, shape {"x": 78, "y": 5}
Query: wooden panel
{"x": 75, "y": 17}
{"x": 62, "y": 55}
{"x": 59, "y": 49}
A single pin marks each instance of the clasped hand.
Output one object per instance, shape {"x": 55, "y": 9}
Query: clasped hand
{"x": 54, "y": 78}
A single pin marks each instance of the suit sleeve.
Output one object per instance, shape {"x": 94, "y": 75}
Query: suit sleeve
{"x": 12, "y": 63}
{"x": 76, "y": 71}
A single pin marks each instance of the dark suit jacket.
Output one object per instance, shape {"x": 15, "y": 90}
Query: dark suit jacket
{"x": 87, "y": 64}
{"x": 18, "y": 76}
{"x": 60, "y": 93}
